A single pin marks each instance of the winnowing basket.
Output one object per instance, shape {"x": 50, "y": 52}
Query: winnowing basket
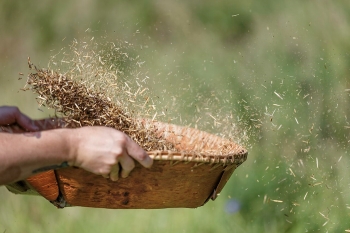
{"x": 188, "y": 177}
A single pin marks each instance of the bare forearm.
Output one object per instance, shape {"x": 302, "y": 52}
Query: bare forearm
{"x": 100, "y": 150}
{"x": 22, "y": 155}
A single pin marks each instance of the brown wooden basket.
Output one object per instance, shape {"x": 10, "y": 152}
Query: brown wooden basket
{"x": 176, "y": 179}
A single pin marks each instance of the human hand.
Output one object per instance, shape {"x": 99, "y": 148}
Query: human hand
{"x": 11, "y": 115}
{"x": 100, "y": 150}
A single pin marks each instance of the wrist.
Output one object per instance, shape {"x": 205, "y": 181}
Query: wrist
{"x": 71, "y": 138}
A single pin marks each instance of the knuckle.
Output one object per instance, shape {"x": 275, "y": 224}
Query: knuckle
{"x": 123, "y": 139}
{"x": 111, "y": 161}
{"x": 142, "y": 156}
{"x": 104, "y": 171}
{"x": 12, "y": 110}
{"x": 101, "y": 172}
{"x": 118, "y": 151}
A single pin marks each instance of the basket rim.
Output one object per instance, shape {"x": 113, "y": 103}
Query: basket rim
{"x": 228, "y": 159}
{"x": 212, "y": 157}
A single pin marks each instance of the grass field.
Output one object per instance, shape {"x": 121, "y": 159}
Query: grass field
{"x": 278, "y": 70}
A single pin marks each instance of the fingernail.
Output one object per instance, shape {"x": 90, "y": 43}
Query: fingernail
{"x": 114, "y": 178}
{"x": 124, "y": 174}
{"x": 149, "y": 162}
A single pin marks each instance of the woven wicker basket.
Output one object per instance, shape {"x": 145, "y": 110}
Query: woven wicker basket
{"x": 176, "y": 179}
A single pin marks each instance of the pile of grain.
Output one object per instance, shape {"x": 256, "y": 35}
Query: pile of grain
{"x": 85, "y": 106}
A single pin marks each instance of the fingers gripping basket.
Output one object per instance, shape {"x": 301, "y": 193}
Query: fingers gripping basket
{"x": 177, "y": 179}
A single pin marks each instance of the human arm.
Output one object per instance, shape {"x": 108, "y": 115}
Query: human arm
{"x": 12, "y": 115}
{"x": 99, "y": 150}
{"x": 95, "y": 149}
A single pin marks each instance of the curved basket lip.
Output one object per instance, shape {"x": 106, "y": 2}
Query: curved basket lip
{"x": 228, "y": 159}
{"x": 234, "y": 157}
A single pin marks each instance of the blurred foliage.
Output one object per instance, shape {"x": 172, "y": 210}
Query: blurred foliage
{"x": 278, "y": 69}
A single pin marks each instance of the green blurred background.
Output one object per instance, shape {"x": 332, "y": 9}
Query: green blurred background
{"x": 281, "y": 68}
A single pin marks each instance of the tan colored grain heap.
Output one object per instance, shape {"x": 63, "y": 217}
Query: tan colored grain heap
{"x": 102, "y": 86}
{"x": 83, "y": 106}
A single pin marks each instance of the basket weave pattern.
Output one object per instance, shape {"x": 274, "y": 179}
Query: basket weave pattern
{"x": 187, "y": 177}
